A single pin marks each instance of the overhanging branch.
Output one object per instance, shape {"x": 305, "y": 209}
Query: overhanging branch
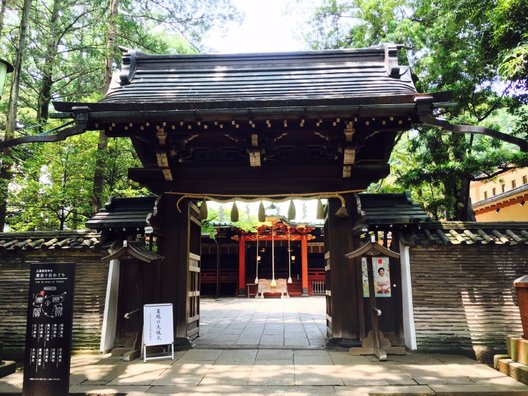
{"x": 64, "y": 131}
{"x": 424, "y": 109}
{"x": 473, "y": 129}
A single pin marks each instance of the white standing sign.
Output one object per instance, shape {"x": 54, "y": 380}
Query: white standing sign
{"x": 158, "y": 328}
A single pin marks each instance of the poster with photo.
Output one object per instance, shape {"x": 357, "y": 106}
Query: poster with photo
{"x": 382, "y": 281}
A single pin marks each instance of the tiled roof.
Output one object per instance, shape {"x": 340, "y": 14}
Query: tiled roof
{"x": 49, "y": 240}
{"x": 467, "y": 233}
{"x": 134, "y": 250}
{"x": 265, "y": 77}
{"x": 389, "y": 209}
{"x": 122, "y": 213}
{"x": 204, "y": 83}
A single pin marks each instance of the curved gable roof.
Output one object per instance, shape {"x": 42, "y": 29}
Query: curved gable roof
{"x": 261, "y": 81}
{"x": 319, "y": 75}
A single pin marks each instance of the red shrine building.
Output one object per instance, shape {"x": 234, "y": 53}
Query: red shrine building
{"x": 276, "y": 250}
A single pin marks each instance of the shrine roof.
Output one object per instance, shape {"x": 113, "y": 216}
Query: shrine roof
{"x": 263, "y": 81}
{"x": 258, "y": 124}
{"x": 121, "y": 213}
{"x": 467, "y": 233}
{"x": 389, "y": 209}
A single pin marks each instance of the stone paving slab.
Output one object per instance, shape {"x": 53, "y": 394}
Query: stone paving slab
{"x": 290, "y": 323}
{"x": 275, "y": 347}
{"x": 282, "y": 371}
{"x": 478, "y": 389}
{"x": 248, "y": 372}
{"x": 388, "y": 390}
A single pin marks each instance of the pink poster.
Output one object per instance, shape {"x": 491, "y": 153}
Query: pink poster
{"x": 382, "y": 282}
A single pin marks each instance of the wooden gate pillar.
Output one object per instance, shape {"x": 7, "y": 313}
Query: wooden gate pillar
{"x": 181, "y": 251}
{"x": 343, "y": 305}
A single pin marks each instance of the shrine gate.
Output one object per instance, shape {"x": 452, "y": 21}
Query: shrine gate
{"x": 256, "y": 126}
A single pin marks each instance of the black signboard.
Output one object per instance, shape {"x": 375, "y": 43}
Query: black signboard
{"x": 49, "y": 329}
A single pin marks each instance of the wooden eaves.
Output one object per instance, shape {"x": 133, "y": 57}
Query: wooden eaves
{"x": 259, "y": 124}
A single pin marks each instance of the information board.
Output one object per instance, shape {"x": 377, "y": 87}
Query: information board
{"x": 157, "y": 324}
{"x": 49, "y": 329}
{"x": 158, "y": 329}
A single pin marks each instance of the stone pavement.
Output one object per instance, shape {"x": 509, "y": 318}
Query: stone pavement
{"x": 273, "y": 346}
{"x": 282, "y": 371}
{"x": 297, "y": 323}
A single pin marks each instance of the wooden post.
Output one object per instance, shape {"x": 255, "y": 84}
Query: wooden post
{"x": 218, "y": 252}
{"x": 242, "y": 266}
{"x": 345, "y": 279}
{"x": 175, "y": 249}
{"x": 304, "y": 265}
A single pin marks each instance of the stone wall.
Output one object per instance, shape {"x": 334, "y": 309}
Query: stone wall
{"x": 463, "y": 297}
{"x": 89, "y": 299}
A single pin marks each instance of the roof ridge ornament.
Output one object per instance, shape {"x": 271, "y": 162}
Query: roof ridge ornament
{"x": 391, "y": 59}
{"x": 128, "y": 68}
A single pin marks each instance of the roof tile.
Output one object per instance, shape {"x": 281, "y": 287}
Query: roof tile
{"x": 466, "y": 233}
{"x": 50, "y": 240}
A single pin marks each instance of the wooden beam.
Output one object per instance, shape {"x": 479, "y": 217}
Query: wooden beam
{"x": 174, "y": 246}
{"x": 349, "y": 156}
{"x": 242, "y": 266}
{"x": 304, "y": 265}
{"x": 262, "y": 181}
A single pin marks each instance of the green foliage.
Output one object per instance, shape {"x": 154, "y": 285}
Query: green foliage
{"x": 49, "y": 189}
{"x": 247, "y": 221}
{"x": 477, "y": 50}
{"x": 52, "y": 184}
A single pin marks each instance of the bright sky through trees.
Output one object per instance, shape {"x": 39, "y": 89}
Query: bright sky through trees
{"x": 268, "y": 26}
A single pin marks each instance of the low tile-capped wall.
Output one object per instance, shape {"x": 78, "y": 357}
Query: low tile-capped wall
{"x": 463, "y": 296}
{"x": 90, "y": 288}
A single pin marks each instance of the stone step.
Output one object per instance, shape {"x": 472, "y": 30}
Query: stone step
{"x": 7, "y": 367}
{"x": 515, "y": 370}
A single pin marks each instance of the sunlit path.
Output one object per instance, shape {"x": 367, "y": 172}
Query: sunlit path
{"x": 262, "y": 323}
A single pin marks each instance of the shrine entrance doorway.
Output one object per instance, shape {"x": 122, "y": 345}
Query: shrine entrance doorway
{"x": 346, "y": 310}
{"x": 271, "y": 126}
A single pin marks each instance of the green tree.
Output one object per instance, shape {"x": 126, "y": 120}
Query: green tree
{"x": 49, "y": 192}
{"x": 7, "y": 160}
{"x": 71, "y": 54}
{"x": 52, "y": 183}
{"x": 470, "y": 48}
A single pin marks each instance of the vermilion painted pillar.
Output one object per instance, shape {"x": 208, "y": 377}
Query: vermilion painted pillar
{"x": 242, "y": 266}
{"x": 304, "y": 265}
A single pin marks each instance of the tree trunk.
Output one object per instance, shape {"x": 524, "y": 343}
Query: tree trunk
{"x": 2, "y": 13}
{"x": 7, "y": 160}
{"x": 44, "y": 96}
{"x": 102, "y": 146}
{"x": 461, "y": 210}
{"x": 464, "y": 211}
